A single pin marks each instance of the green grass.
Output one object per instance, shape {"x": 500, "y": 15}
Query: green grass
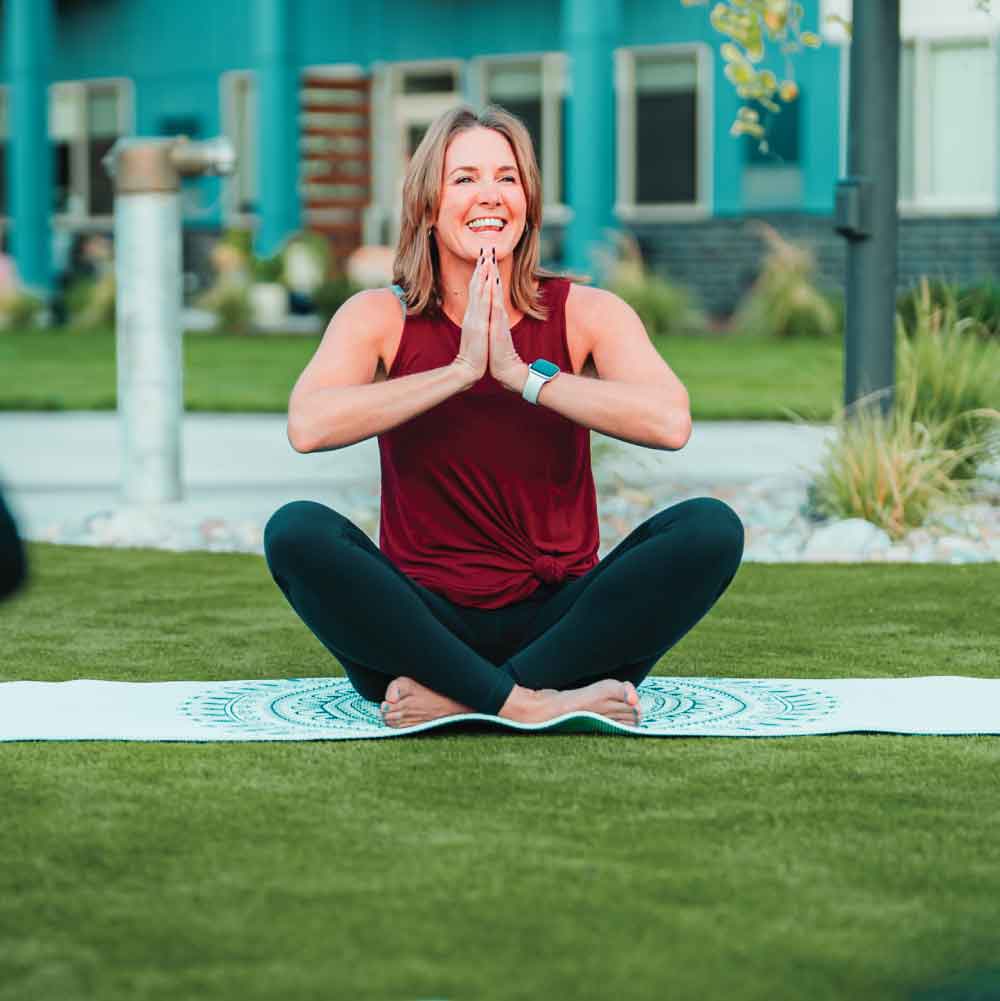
{"x": 488, "y": 865}
{"x": 729, "y": 377}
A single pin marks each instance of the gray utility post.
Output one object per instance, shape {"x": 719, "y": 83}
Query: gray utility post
{"x": 147, "y": 175}
{"x": 866, "y": 202}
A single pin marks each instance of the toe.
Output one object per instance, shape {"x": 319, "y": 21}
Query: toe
{"x": 397, "y": 689}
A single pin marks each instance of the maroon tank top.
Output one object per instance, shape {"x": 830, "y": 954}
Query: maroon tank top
{"x": 486, "y": 495}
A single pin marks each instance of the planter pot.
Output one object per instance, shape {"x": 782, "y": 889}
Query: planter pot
{"x": 269, "y": 301}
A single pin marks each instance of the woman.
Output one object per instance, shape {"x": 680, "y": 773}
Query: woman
{"x": 485, "y": 593}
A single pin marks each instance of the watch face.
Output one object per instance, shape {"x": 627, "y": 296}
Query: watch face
{"x": 543, "y": 367}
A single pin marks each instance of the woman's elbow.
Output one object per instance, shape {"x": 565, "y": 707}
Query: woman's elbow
{"x": 678, "y": 427}
{"x": 297, "y": 437}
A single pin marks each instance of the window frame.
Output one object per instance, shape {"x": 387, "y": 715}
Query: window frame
{"x": 626, "y": 209}
{"x": 391, "y": 112}
{"x": 555, "y": 87}
{"x": 963, "y": 26}
{"x": 79, "y": 164}
{"x": 228, "y": 80}
{"x": 924, "y": 202}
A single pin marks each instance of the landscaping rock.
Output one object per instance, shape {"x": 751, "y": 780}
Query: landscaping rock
{"x": 846, "y": 541}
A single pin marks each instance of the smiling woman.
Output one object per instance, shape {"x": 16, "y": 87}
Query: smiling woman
{"x": 485, "y": 591}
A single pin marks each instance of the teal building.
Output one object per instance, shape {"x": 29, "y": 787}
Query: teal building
{"x": 627, "y": 102}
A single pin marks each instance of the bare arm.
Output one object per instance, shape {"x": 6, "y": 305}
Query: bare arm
{"x": 335, "y": 402}
{"x": 638, "y": 399}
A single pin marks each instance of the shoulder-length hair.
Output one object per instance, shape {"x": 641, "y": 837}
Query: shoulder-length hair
{"x": 416, "y": 266}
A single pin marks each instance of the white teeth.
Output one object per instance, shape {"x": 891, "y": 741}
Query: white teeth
{"x": 486, "y": 224}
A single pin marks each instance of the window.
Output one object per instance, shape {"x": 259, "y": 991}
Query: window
{"x": 407, "y": 97}
{"x": 781, "y": 135}
{"x": 534, "y": 89}
{"x": 773, "y": 180}
{"x": 422, "y": 93}
{"x": 947, "y": 106}
{"x": 85, "y": 119}
{"x": 239, "y": 117}
{"x": 664, "y": 131}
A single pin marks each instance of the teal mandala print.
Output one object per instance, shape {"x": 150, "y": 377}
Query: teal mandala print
{"x": 329, "y": 708}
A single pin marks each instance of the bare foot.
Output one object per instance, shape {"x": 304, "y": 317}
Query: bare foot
{"x": 618, "y": 700}
{"x": 407, "y": 703}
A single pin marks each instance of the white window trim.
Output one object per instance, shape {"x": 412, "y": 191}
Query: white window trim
{"x": 390, "y": 109}
{"x": 923, "y": 203}
{"x": 231, "y": 218}
{"x": 78, "y": 159}
{"x": 918, "y": 19}
{"x": 555, "y": 67}
{"x": 626, "y": 209}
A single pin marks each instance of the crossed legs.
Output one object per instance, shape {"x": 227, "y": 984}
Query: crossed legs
{"x": 616, "y": 621}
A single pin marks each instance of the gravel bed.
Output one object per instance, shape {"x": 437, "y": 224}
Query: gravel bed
{"x": 775, "y": 513}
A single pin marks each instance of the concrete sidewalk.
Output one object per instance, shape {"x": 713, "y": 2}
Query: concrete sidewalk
{"x": 55, "y": 466}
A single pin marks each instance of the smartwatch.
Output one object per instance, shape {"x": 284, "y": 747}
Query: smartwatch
{"x": 540, "y": 371}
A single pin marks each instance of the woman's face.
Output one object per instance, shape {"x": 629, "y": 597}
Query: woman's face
{"x": 481, "y": 181}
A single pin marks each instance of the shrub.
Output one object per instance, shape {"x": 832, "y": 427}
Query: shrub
{"x": 18, "y": 310}
{"x": 979, "y": 301}
{"x": 664, "y": 307}
{"x": 893, "y": 470}
{"x": 90, "y": 303}
{"x": 956, "y": 375}
{"x": 268, "y": 269}
{"x": 331, "y": 295}
{"x": 233, "y": 310}
{"x": 783, "y": 301}
{"x": 890, "y": 470}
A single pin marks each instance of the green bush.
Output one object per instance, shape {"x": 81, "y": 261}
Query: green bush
{"x": 956, "y": 373}
{"x": 268, "y": 269}
{"x": 19, "y": 310}
{"x": 979, "y": 301}
{"x": 892, "y": 470}
{"x": 663, "y": 306}
{"x": 90, "y": 303}
{"x": 233, "y": 310}
{"x": 783, "y": 301}
{"x": 331, "y": 295}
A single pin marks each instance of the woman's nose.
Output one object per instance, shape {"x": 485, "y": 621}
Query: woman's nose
{"x": 491, "y": 194}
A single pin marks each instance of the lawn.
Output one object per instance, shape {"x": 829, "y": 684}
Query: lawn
{"x": 498, "y": 865}
{"x": 727, "y": 377}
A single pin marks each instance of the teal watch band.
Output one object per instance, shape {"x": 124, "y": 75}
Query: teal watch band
{"x": 540, "y": 371}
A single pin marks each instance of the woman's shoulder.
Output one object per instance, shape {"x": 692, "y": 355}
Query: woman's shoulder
{"x": 589, "y": 307}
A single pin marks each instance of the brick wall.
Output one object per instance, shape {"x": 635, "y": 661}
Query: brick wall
{"x": 720, "y": 258}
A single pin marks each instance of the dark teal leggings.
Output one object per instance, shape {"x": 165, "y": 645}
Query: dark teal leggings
{"x": 615, "y": 621}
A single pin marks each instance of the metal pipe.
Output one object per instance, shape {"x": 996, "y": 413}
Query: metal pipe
{"x": 147, "y": 175}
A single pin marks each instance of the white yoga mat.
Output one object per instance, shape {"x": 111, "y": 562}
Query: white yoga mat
{"x": 330, "y": 709}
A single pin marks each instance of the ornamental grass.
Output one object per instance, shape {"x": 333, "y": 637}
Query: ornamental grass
{"x": 955, "y": 372}
{"x": 895, "y": 469}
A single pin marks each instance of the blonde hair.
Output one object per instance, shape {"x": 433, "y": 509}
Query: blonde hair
{"x": 416, "y": 266}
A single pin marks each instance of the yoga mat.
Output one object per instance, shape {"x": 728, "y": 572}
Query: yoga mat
{"x": 330, "y": 709}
